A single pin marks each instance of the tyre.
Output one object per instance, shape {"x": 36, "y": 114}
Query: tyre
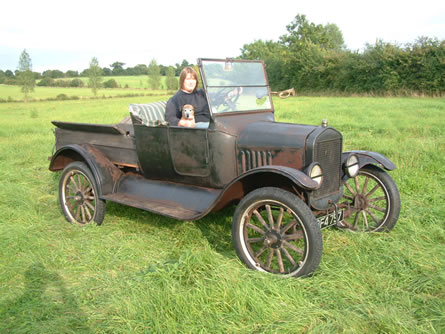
{"x": 78, "y": 195}
{"x": 373, "y": 201}
{"x": 274, "y": 231}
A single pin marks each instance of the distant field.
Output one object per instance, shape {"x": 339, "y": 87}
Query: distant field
{"x": 136, "y": 85}
{"x": 138, "y": 81}
{"x": 144, "y": 273}
{"x": 135, "y": 81}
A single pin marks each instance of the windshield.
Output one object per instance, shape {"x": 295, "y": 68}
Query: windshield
{"x": 236, "y": 86}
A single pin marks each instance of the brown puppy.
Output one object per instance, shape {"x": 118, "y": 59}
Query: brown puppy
{"x": 188, "y": 113}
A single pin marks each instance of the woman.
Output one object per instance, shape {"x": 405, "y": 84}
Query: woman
{"x": 188, "y": 94}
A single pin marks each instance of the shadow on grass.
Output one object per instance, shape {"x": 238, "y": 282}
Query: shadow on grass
{"x": 216, "y": 227}
{"x": 46, "y": 306}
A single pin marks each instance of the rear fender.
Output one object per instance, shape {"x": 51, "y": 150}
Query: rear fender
{"x": 104, "y": 171}
{"x": 370, "y": 158}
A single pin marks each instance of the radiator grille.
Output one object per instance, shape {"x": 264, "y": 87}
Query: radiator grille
{"x": 328, "y": 154}
{"x": 252, "y": 159}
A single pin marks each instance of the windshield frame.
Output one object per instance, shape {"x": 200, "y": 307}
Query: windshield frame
{"x": 231, "y": 60}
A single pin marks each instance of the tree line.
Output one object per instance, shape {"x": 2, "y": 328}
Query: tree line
{"x": 313, "y": 58}
{"x": 26, "y": 78}
{"x": 95, "y": 76}
{"x": 115, "y": 69}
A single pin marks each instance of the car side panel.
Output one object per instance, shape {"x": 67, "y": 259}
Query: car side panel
{"x": 201, "y": 157}
{"x": 153, "y": 152}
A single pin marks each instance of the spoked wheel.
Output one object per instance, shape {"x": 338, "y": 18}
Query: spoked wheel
{"x": 373, "y": 200}
{"x": 78, "y": 195}
{"x": 275, "y": 231}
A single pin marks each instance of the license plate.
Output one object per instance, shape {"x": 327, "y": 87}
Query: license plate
{"x": 331, "y": 219}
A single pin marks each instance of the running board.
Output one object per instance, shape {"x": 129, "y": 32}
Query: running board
{"x": 178, "y": 201}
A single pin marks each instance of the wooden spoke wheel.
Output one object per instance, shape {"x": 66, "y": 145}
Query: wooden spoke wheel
{"x": 274, "y": 231}
{"x": 78, "y": 195}
{"x": 373, "y": 201}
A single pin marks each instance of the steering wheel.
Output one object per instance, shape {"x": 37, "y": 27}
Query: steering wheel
{"x": 227, "y": 98}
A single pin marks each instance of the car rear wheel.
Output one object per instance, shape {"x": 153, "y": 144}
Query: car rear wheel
{"x": 78, "y": 195}
{"x": 373, "y": 201}
{"x": 274, "y": 231}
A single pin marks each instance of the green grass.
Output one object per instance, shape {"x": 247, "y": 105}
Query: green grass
{"x": 10, "y": 92}
{"x": 132, "y": 81}
{"x": 143, "y": 273}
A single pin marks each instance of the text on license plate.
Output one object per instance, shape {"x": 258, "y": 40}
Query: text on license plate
{"x": 331, "y": 219}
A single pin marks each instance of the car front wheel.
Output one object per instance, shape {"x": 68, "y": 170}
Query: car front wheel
{"x": 274, "y": 231}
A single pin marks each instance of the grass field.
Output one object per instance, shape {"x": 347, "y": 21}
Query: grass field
{"x": 143, "y": 273}
{"x": 137, "y": 85}
{"x": 132, "y": 81}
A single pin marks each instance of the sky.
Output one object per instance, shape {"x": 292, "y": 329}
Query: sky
{"x": 66, "y": 35}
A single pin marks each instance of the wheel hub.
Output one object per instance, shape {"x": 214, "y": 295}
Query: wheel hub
{"x": 360, "y": 202}
{"x": 79, "y": 197}
{"x": 272, "y": 239}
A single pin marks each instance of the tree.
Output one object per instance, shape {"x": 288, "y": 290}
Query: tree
{"x": 154, "y": 75}
{"x": 9, "y": 74}
{"x": 95, "y": 75}
{"x": 107, "y": 72}
{"x": 139, "y": 69}
{"x": 171, "y": 80}
{"x": 180, "y": 67}
{"x": 25, "y": 76}
{"x": 71, "y": 74}
{"x": 55, "y": 74}
{"x": 301, "y": 31}
{"x": 274, "y": 55}
{"x": 117, "y": 68}
{"x": 84, "y": 73}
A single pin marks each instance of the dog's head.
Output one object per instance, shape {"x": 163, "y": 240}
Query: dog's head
{"x": 188, "y": 112}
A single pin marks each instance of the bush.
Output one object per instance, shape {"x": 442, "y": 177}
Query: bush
{"x": 10, "y": 81}
{"x": 110, "y": 84}
{"x": 77, "y": 83}
{"x": 62, "y": 83}
{"x": 46, "y": 82}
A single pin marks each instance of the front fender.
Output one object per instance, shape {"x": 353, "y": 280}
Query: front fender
{"x": 294, "y": 175}
{"x": 265, "y": 176}
{"x": 370, "y": 158}
{"x": 104, "y": 171}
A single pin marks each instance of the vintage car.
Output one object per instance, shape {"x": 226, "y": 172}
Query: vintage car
{"x": 288, "y": 181}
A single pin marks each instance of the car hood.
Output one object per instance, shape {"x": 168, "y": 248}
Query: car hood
{"x": 274, "y": 134}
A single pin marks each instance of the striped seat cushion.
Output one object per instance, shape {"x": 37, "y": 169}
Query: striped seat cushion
{"x": 151, "y": 114}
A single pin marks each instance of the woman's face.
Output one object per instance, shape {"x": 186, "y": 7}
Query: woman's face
{"x": 189, "y": 83}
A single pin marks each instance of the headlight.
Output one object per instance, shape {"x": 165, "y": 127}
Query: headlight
{"x": 352, "y": 166}
{"x": 316, "y": 173}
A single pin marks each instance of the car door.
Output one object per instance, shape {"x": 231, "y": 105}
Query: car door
{"x": 189, "y": 150}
